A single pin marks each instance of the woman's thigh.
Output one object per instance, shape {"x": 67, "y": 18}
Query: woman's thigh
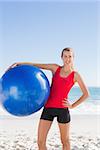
{"x": 64, "y": 129}
{"x": 43, "y": 128}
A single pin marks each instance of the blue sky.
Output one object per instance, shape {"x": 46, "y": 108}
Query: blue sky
{"x": 38, "y": 31}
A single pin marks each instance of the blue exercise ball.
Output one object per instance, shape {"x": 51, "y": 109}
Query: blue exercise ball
{"x": 25, "y": 90}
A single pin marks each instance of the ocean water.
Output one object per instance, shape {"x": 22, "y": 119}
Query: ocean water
{"x": 90, "y": 106}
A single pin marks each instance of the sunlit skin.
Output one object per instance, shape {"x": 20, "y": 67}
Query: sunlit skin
{"x": 67, "y": 59}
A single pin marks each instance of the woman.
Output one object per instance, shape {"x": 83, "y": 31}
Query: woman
{"x": 57, "y": 105}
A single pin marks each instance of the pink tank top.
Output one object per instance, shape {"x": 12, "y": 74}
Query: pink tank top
{"x": 60, "y": 88}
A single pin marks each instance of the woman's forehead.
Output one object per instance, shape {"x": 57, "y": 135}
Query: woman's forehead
{"x": 67, "y": 53}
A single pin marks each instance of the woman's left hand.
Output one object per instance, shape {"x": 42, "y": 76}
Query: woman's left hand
{"x": 66, "y": 103}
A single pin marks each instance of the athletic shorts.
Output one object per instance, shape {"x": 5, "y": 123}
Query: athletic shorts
{"x": 62, "y": 114}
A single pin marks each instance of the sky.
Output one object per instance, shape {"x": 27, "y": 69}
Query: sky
{"x": 37, "y": 31}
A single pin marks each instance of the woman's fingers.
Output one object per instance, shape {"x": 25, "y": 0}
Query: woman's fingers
{"x": 12, "y": 66}
{"x": 65, "y": 100}
{"x": 66, "y": 103}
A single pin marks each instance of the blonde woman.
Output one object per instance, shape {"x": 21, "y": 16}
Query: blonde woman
{"x": 57, "y": 105}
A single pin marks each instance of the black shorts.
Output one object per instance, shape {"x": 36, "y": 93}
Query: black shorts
{"x": 62, "y": 114}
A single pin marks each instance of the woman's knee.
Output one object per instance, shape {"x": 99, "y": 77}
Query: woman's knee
{"x": 65, "y": 141}
{"x": 41, "y": 142}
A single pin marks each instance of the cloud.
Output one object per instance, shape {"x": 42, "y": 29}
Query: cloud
{"x": 13, "y": 92}
{"x": 4, "y": 94}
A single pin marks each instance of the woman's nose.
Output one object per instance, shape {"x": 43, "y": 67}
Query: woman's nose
{"x": 67, "y": 59}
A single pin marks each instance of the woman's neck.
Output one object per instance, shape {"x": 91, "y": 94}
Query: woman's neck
{"x": 66, "y": 68}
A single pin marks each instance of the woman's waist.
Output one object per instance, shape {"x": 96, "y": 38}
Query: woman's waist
{"x": 55, "y": 101}
{"x": 57, "y": 97}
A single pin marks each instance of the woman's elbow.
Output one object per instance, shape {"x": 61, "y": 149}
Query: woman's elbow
{"x": 87, "y": 94}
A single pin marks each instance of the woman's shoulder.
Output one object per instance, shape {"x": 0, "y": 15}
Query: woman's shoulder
{"x": 76, "y": 75}
{"x": 54, "y": 68}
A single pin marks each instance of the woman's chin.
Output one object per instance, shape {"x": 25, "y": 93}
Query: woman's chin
{"x": 67, "y": 64}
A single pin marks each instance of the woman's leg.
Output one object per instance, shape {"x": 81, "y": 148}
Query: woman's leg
{"x": 64, "y": 134}
{"x": 43, "y": 128}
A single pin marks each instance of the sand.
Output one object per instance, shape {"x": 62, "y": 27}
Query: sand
{"x": 21, "y": 133}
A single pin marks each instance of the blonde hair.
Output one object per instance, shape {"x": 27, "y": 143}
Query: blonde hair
{"x": 68, "y": 49}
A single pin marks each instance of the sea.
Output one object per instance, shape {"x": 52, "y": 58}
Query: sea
{"x": 91, "y": 106}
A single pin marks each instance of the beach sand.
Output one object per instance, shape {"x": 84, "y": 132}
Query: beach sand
{"x": 21, "y": 133}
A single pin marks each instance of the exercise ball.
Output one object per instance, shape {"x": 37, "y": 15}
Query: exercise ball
{"x": 25, "y": 90}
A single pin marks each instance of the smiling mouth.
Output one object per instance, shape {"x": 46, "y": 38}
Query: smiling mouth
{"x": 67, "y": 62}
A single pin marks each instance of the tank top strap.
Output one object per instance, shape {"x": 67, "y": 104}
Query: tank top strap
{"x": 58, "y": 70}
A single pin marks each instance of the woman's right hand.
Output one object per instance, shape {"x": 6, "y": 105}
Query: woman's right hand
{"x": 12, "y": 66}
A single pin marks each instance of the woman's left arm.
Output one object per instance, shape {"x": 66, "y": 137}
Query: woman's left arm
{"x": 84, "y": 90}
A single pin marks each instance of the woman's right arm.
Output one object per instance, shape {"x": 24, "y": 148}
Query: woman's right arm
{"x": 51, "y": 67}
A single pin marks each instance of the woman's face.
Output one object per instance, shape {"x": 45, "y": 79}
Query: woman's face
{"x": 67, "y": 58}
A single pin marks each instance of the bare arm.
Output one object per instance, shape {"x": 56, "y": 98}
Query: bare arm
{"x": 51, "y": 67}
{"x": 83, "y": 88}
{"x": 79, "y": 80}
